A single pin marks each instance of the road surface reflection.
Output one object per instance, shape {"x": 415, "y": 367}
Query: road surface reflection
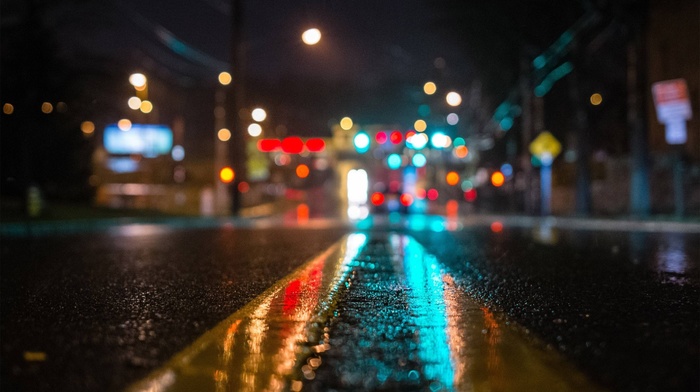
{"x": 372, "y": 312}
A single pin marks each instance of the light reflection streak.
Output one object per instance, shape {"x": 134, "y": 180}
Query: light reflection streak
{"x": 262, "y": 351}
{"x": 425, "y": 279}
{"x": 671, "y": 256}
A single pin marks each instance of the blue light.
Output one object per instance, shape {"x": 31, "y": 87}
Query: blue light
{"x": 507, "y": 169}
{"x": 149, "y": 140}
{"x": 506, "y": 124}
{"x": 361, "y": 142}
{"x": 419, "y": 160}
{"x": 540, "y": 61}
{"x": 393, "y": 161}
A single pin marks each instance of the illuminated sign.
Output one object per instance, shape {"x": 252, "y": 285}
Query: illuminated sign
{"x": 149, "y": 140}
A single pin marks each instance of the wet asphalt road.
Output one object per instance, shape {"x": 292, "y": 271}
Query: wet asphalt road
{"x": 98, "y": 311}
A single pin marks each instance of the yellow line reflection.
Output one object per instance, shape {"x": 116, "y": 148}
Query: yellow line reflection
{"x": 258, "y": 347}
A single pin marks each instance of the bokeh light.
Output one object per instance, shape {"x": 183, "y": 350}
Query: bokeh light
{"x": 497, "y": 179}
{"x": 377, "y": 198}
{"x": 225, "y": 78}
{"x": 596, "y": 99}
{"x": 226, "y": 175}
{"x": 394, "y": 161}
{"x": 134, "y": 103}
{"x": 452, "y": 119}
{"x": 178, "y": 153}
{"x": 46, "y": 107}
{"x": 419, "y": 160}
{"x": 453, "y": 98}
{"x": 87, "y": 127}
{"x": 346, "y": 123}
{"x": 146, "y": 106}
{"x": 259, "y": 114}
{"x": 124, "y": 124}
{"x": 461, "y": 151}
{"x": 137, "y": 80}
{"x": 8, "y": 108}
{"x": 361, "y": 142}
{"x": 224, "y": 134}
{"x": 420, "y": 125}
{"x": 429, "y": 88}
{"x": 311, "y": 36}
{"x": 302, "y": 171}
{"x": 452, "y": 178}
{"x": 254, "y": 130}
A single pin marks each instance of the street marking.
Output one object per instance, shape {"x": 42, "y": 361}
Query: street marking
{"x": 281, "y": 339}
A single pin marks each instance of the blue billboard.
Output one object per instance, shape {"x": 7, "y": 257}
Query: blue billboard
{"x": 149, "y": 140}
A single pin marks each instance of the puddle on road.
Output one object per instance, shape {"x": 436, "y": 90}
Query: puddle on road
{"x": 369, "y": 313}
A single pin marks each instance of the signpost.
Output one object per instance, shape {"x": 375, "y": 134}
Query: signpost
{"x": 673, "y": 110}
{"x": 545, "y": 147}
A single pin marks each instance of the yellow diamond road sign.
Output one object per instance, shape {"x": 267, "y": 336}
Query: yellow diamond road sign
{"x": 545, "y": 144}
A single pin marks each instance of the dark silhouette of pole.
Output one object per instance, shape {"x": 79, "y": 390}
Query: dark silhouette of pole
{"x": 237, "y": 103}
{"x": 580, "y": 124}
{"x": 640, "y": 201}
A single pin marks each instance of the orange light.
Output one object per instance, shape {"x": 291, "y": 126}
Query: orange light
{"x": 302, "y": 171}
{"x": 226, "y": 175}
{"x": 377, "y": 198}
{"x": 461, "y": 151}
{"x": 451, "y": 208}
{"x": 452, "y": 178}
{"x": 497, "y": 179}
{"x": 302, "y": 213}
{"x": 496, "y": 227}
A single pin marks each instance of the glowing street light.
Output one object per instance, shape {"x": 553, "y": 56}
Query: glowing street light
{"x": 429, "y": 88}
{"x": 138, "y": 80}
{"x": 225, "y": 78}
{"x": 346, "y": 123}
{"x": 453, "y": 98}
{"x": 311, "y": 36}
{"x": 259, "y": 114}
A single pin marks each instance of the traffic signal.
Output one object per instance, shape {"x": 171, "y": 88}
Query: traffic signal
{"x": 361, "y": 142}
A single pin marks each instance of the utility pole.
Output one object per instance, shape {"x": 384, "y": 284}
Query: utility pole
{"x": 237, "y": 103}
{"x": 583, "y": 172}
{"x": 640, "y": 202}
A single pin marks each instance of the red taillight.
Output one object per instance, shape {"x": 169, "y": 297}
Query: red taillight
{"x": 292, "y": 145}
{"x": 396, "y": 137}
{"x": 377, "y": 198}
{"x": 268, "y": 145}
{"x": 315, "y": 145}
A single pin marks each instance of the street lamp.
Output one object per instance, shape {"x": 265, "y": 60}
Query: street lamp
{"x": 453, "y": 98}
{"x": 311, "y": 36}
